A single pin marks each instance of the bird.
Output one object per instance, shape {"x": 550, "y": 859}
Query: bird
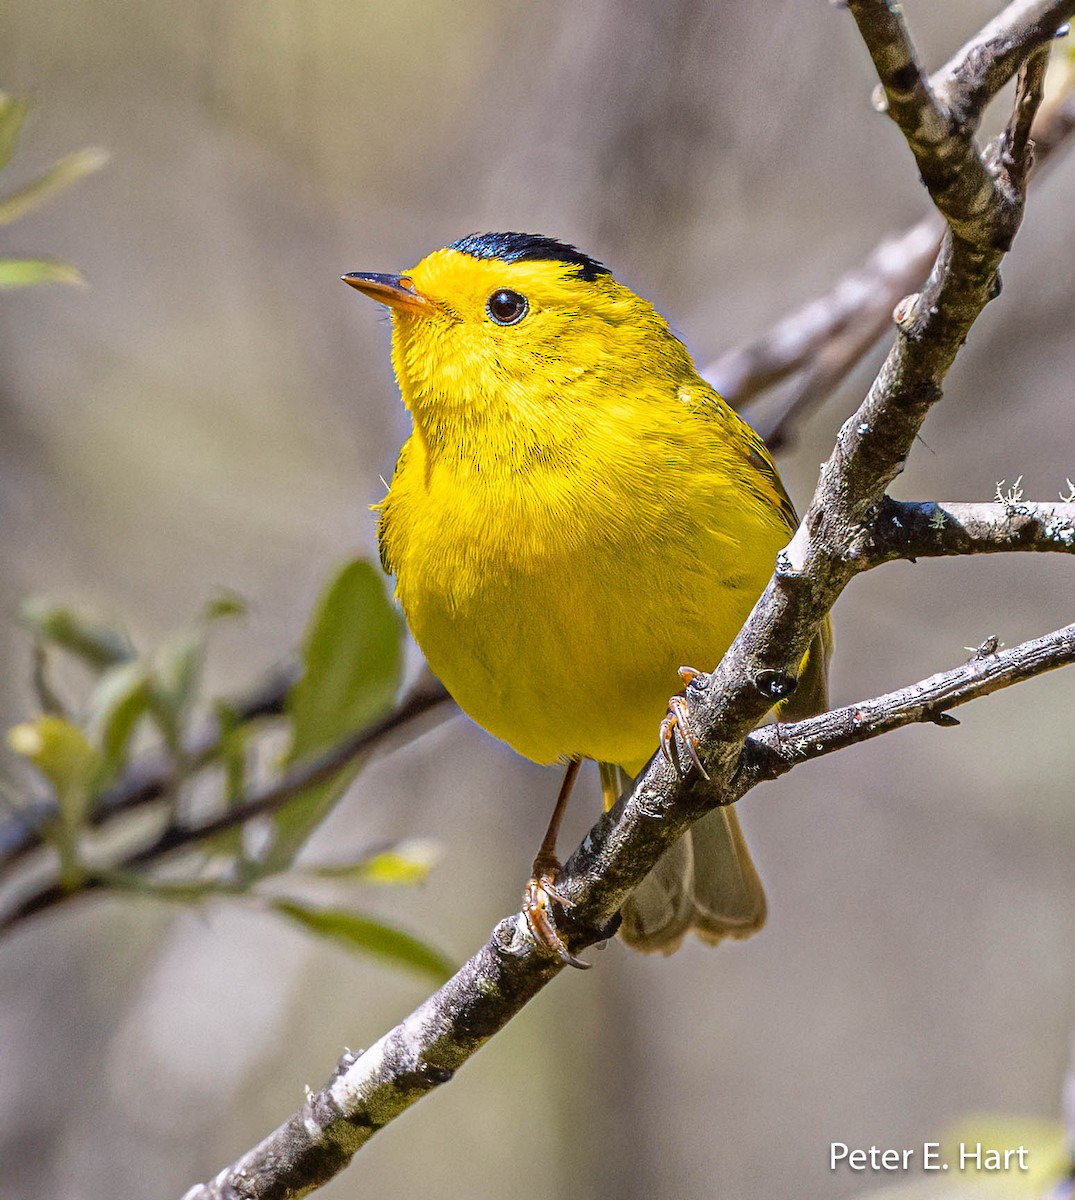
{"x": 575, "y": 515}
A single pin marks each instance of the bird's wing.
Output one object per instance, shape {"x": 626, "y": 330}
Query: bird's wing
{"x": 384, "y": 513}
{"x": 811, "y": 696}
{"x": 382, "y": 542}
{"x": 736, "y": 432}
{"x": 758, "y": 456}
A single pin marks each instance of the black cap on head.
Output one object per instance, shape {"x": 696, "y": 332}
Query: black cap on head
{"x": 520, "y": 247}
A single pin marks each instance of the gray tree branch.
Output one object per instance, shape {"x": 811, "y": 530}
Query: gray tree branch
{"x": 834, "y": 542}
{"x": 822, "y": 343}
{"x": 773, "y": 750}
{"x": 816, "y": 347}
{"x": 929, "y": 529}
{"x": 862, "y": 301}
{"x": 424, "y": 1050}
{"x": 978, "y": 70}
{"x": 956, "y": 177}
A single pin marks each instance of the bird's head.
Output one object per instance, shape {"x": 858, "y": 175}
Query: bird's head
{"x": 516, "y": 326}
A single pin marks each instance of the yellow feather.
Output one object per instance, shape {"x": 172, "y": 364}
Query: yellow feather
{"x": 576, "y": 514}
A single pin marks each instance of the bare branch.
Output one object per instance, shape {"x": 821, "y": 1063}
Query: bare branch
{"x": 429, "y": 1046}
{"x": 948, "y": 160}
{"x": 154, "y": 777}
{"x": 1016, "y": 151}
{"x": 861, "y": 301}
{"x": 827, "y": 338}
{"x": 374, "y": 1087}
{"x": 149, "y": 778}
{"x": 773, "y": 750}
{"x": 936, "y": 530}
{"x": 974, "y": 75}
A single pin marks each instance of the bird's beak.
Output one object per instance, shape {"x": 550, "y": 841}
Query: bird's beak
{"x": 397, "y": 291}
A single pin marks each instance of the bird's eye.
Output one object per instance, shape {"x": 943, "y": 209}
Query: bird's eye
{"x": 506, "y": 307}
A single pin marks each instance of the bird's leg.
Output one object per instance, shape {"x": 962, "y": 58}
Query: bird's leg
{"x": 678, "y": 721}
{"x": 542, "y": 886}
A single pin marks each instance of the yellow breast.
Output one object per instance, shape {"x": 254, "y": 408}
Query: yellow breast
{"x": 556, "y": 592}
{"x": 577, "y": 513}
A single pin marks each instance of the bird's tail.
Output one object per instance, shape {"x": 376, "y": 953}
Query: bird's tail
{"x": 707, "y": 881}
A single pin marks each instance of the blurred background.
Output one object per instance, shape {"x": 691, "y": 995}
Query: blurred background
{"x": 215, "y": 408}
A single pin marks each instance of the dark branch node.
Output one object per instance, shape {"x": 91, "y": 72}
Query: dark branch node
{"x": 937, "y": 717}
{"x": 775, "y": 685}
{"x": 422, "y": 1078}
{"x": 905, "y": 79}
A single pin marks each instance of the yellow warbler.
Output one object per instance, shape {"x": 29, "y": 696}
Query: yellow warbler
{"x": 576, "y": 514}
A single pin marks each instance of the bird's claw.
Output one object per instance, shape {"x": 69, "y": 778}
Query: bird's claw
{"x": 538, "y": 914}
{"x": 678, "y": 721}
{"x": 689, "y": 675}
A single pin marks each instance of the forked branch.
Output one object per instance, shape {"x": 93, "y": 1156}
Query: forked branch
{"x": 844, "y": 531}
{"x": 816, "y": 347}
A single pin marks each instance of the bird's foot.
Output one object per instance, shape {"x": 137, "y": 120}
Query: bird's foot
{"x": 678, "y": 721}
{"x": 537, "y": 910}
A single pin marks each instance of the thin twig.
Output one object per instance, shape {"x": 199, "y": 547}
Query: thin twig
{"x": 949, "y": 162}
{"x": 147, "y": 779}
{"x": 773, "y": 750}
{"x": 832, "y": 364}
{"x": 1016, "y": 151}
{"x": 894, "y": 268}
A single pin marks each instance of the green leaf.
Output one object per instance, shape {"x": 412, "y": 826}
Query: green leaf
{"x": 63, "y": 754}
{"x": 48, "y": 699}
{"x": 99, "y": 646}
{"x": 403, "y": 865}
{"x": 352, "y": 658}
{"x": 59, "y": 177}
{"x": 13, "y": 110}
{"x": 29, "y": 272}
{"x": 174, "y": 682}
{"x": 368, "y": 937}
{"x": 232, "y": 753}
{"x": 223, "y": 605}
{"x": 116, "y": 705}
{"x": 179, "y": 664}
